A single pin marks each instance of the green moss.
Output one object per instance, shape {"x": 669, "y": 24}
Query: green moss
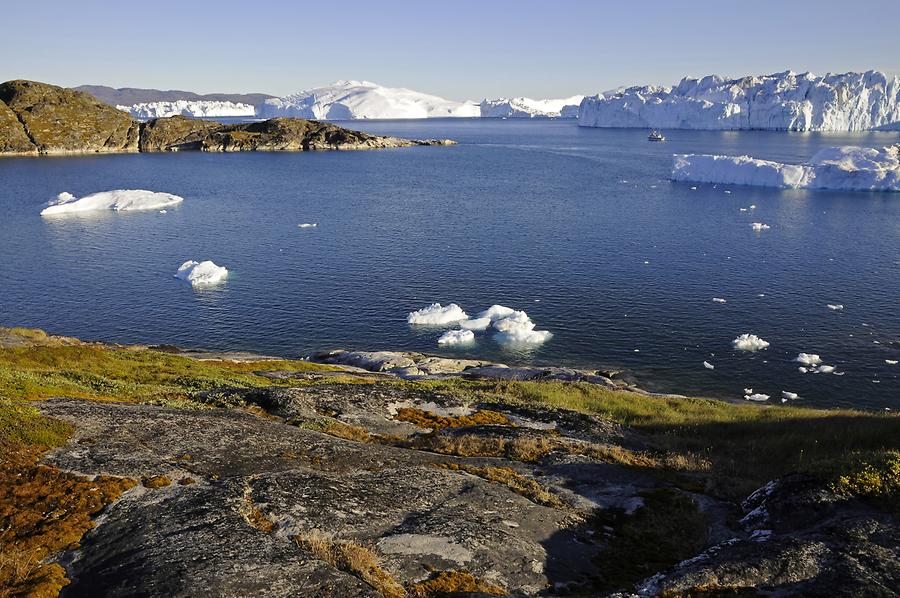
{"x": 135, "y": 374}
{"x": 878, "y": 479}
{"x": 20, "y": 423}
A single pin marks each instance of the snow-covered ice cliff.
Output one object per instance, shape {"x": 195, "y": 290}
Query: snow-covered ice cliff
{"x": 528, "y": 108}
{"x": 846, "y": 168}
{"x": 783, "y": 101}
{"x": 192, "y": 108}
{"x": 363, "y": 99}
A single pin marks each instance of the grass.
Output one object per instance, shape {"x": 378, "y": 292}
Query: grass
{"x": 436, "y": 423}
{"x": 352, "y": 557}
{"x": 453, "y": 583}
{"x": 42, "y": 510}
{"x": 736, "y": 447}
{"x": 522, "y": 485}
{"x": 126, "y": 374}
{"x": 878, "y": 479}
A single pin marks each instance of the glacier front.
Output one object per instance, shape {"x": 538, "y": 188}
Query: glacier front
{"x": 528, "y": 108}
{"x": 846, "y": 168}
{"x": 190, "y": 108}
{"x": 783, "y": 101}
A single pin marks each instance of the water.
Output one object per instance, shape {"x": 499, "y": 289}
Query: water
{"x": 541, "y": 216}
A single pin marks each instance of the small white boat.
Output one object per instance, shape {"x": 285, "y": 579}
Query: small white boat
{"x": 656, "y": 136}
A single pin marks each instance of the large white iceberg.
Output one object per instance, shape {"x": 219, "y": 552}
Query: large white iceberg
{"x": 201, "y": 274}
{"x": 190, "y": 108}
{"x": 847, "y": 168}
{"x": 528, "y": 108}
{"x": 363, "y": 99}
{"x": 783, "y": 101}
{"x": 119, "y": 200}
{"x": 437, "y": 315}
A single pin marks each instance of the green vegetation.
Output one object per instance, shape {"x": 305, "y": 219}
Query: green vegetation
{"x": 126, "y": 374}
{"x": 22, "y": 424}
{"x": 744, "y": 445}
{"x": 878, "y": 479}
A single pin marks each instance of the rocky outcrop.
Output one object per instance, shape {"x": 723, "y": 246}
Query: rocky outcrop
{"x": 37, "y": 118}
{"x": 62, "y": 121}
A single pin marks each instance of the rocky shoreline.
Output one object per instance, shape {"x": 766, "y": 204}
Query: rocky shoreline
{"x": 42, "y": 119}
{"x": 405, "y": 475}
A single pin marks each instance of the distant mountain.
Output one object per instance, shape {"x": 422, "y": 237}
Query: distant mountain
{"x": 128, "y": 96}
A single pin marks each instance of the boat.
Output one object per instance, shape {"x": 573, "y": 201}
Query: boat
{"x": 656, "y": 136}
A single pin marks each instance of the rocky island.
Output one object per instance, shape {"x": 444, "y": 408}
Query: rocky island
{"x": 153, "y": 471}
{"x": 42, "y": 119}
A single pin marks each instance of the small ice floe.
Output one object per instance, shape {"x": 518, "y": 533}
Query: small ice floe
{"x": 749, "y": 342}
{"x": 693, "y": 188}
{"x": 164, "y": 211}
{"x": 835, "y": 306}
{"x": 789, "y": 395}
{"x": 718, "y": 300}
{"x": 646, "y": 261}
{"x": 119, "y": 200}
{"x": 517, "y": 328}
{"x": 708, "y": 365}
{"x": 891, "y": 361}
{"x": 308, "y": 225}
{"x": 201, "y": 274}
{"x": 757, "y": 397}
{"x": 752, "y": 206}
{"x": 743, "y": 209}
{"x": 437, "y": 315}
{"x": 758, "y": 226}
{"x": 760, "y": 295}
{"x": 727, "y": 192}
{"x": 808, "y": 359}
{"x": 475, "y": 324}
{"x": 637, "y": 350}
{"x": 748, "y": 391}
{"x": 456, "y": 337}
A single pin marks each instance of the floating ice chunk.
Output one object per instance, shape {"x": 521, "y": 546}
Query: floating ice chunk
{"x": 743, "y": 209}
{"x": 708, "y": 365}
{"x": 437, "y": 315}
{"x": 308, "y": 225}
{"x": 456, "y": 337}
{"x": 475, "y": 324}
{"x": 758, "y": 226}
{"x": 718, "y": 300}
{"x": 201, "y": 274}
{"x": 520, "y": 336}
{"x": 891, "y": 361}
{"x": 823, "y": 369}
{"x": 496, "y": 312}
{"x": 789, "y": 395}
{"x": 753, "y": 206}
{"x": 802, "y": 369}
{"x": 163, "y": 211}
{"x": 749, "y": 342}
{"x": 758, "y": 397}
{"x": 119, "y": 200}
{"x": 808, "y": 359}
{"x": 727, "y": 192}
{"x": 835, "y": 306}
{"x": 748, "y": 391}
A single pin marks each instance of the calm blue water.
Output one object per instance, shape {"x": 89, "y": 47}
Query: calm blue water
{"x": 542, "y": 216}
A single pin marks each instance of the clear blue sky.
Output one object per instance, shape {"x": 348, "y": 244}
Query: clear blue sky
{"x": 463, "y": 49}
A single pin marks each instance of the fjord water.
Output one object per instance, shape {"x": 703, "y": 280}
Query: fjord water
{"x": 580, "y": 227}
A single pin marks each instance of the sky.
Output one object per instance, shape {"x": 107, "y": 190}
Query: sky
{"x": 459, "y": 50}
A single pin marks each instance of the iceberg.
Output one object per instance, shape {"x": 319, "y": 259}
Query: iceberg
{"x": 345, "y": 100}
{"x": 790, "y": 395}
{"x": 475, "y": 323}
{"x": 787, "y": 101}
{"x": 308, "y": 225}
{"x": 201, "y": 274}
{"x": 528, "y": 108}
{"x": 759, "y": 226}
{"x": 437, "y": 315}
{"x": 708, "y": 365}
{"x": 845, "y": 168}
{"x": 758, "y": 397}
{"x": 809, "y": 359}
{"x": 120, "y": 200}
{"x": 835, "y": 306}
{"x": 749, "y": 342}
{"x": 456, "y": 337}
{"x": 190, "y": 108}
{"x": 517, "y": 328}
{"x": 718, "y": 300}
